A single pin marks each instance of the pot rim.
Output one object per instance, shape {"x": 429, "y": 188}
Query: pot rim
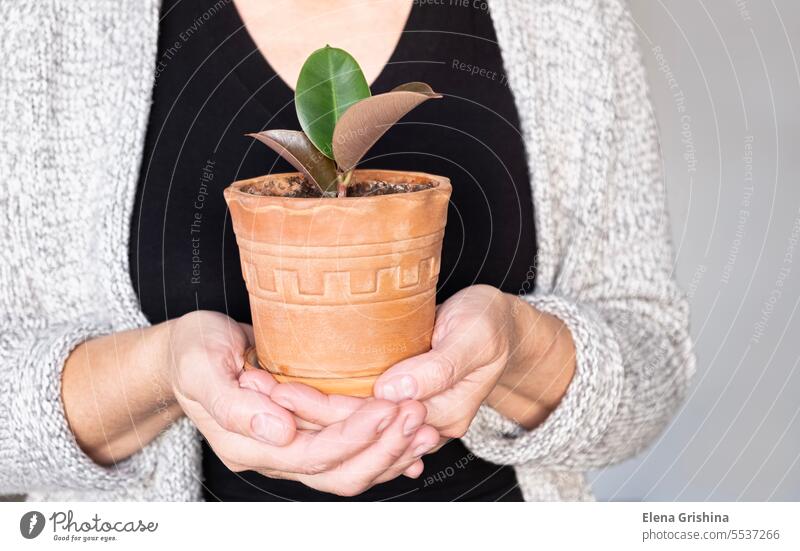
{"x": 441, "y": 184}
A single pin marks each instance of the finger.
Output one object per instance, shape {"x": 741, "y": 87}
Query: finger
{"x": 259, "y": 380}
{"x": 302, "y": 424}
{"x": 313, "y": 453}
{"x": 245, "y": 411}
{"x": 438, "y": 446}
{"x": 426, "y": 375}
{"x": 314, "y": 406}
{"x": 358, "y": 473}
{"x": 415, "y": 469}
{"x": 424, "y": 441}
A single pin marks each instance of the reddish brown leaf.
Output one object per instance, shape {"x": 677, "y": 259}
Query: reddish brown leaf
{"x": 367, "y": 120}
{"x": 296, "y": 148}
{"x": 419, "y": 87}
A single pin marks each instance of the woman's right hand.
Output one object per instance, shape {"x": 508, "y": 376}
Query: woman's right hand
{"x": 354, "y": 444}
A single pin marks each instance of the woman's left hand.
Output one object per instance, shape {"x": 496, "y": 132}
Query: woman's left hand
{"x": 487, "y": 346}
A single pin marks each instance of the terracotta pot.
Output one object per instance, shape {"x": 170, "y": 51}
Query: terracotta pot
{"x": 340, "y": 288}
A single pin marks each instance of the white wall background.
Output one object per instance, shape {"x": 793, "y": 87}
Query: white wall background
{"x": 725, "y": 83}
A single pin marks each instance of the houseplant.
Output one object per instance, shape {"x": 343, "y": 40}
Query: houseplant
{"x": 341, "y": 264}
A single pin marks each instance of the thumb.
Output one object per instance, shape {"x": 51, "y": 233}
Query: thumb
{"x": 423, "y": 376}
{"x": 252, "y": 414}
{"x": 245, "y": 410}
{"x": 248, "y": 331}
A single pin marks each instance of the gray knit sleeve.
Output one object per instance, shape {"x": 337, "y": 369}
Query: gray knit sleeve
{"x": 632, "y": 372}
{"x": 614, "y": 289}
{"x": 38, "y": 451}
{"x": 72, "y": 125}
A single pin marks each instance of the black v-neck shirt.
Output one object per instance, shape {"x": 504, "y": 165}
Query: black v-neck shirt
{"x": 213, "y": 85}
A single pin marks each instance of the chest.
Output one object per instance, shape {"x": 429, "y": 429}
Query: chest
{"x": 285, "y": 33}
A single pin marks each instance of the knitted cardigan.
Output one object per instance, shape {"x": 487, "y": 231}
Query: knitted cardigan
{"x": 75, "y": 91}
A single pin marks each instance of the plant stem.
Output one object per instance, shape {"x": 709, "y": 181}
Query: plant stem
{"x": 342, "y": 181}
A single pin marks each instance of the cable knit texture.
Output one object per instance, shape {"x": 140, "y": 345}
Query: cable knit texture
{"x": 74, "y": 99}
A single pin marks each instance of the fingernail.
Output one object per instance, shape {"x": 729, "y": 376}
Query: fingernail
{"x": 390, "y": 392}
{"x": 383, "y": 425}
{"x": 269, "y": 428}
{"x": 422, "y": 449}
{"x": 408, "y": 387}
{"x": 411, "y": 424}
{"x": 284, "y": 402}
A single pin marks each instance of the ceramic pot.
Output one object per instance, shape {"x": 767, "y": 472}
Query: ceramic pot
{"x": 340, "y": 288}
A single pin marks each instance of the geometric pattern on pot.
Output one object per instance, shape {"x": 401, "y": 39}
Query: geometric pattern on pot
{"x": 342, "y": 275}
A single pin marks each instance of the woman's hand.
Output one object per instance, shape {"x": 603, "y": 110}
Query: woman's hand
{"x": 398, "y": 451}
{"x": 207, "y": 355}
{"x": 486, "y": 346}
{"x": 348, "y": 444}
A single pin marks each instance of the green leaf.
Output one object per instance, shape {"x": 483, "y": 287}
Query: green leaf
{"x": 366, "y": 121}
{"x": 296, "y": 148}
{"x": 329, "y": 82}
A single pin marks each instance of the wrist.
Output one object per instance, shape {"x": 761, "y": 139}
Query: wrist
{"x": 520, "y": 358}
{"x": 159, "y": 355}
{"x": 526, "y": 339}
{"x": 540, "y": 365}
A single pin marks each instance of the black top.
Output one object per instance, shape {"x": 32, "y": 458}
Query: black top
{"x": 213, "y": 86}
